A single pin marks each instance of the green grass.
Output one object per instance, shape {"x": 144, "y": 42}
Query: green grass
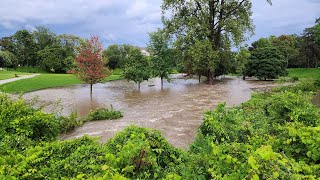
{"x": 304, "y": 73}
{"x": 10, "y": 74}
{"x": 44, "y": 81}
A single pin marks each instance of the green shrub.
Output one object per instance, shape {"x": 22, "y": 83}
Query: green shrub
{"x": 67, "y": 124}
{"x": 17, "y": 118}
{"x": 143, "y": 153}
{"x": 104, "y": 114}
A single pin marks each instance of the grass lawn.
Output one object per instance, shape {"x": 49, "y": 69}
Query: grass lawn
{"x": 10, "y": 74}
{"x": 304, "y": 73}
{"x": 44, "y": 81}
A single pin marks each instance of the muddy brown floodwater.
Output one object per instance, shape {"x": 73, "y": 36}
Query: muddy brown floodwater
{"x": 176, "y": 110}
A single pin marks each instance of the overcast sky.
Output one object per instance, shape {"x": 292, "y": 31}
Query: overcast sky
{"x": 129, "y": 21}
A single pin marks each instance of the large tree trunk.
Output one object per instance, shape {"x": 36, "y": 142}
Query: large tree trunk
{"x": 210, "y": 77}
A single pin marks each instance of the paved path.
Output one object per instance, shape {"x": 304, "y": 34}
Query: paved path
{"x": 17, "y": 78}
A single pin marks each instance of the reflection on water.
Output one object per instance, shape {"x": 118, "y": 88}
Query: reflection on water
{"x": 176, "y": 110}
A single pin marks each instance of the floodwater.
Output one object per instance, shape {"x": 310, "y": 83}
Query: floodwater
{"x": 176, "y": 110}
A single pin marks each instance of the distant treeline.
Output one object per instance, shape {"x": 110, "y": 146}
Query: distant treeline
{"x": 39, "y": 48}
{"x": 301, "y": 51}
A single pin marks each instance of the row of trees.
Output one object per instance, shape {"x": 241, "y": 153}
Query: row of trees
{"x": 39, "y": 48}
{"x": 299, "y": 51}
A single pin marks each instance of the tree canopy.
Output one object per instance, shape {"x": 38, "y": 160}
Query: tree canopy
{"x": 89, "y": 61}
{"x": 219, "y": 23}
{"x": 137, "y": 67}
{"x": 162, "y": 55}
{"x": 266, "y": 63}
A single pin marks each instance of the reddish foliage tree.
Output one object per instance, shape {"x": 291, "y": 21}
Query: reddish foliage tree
{"x": 89, "y": 61}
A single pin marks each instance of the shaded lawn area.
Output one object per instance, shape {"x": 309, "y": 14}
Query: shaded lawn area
{"x": 304, "y": 73}
{"x": 10, "y": 74}
{"x": 44, "y": 81}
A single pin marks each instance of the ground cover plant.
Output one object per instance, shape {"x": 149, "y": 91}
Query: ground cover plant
{"x": 104, "y": 114}
{"x": 275, "y": 135}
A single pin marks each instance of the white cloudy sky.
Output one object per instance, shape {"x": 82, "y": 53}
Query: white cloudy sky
{"x": 128, "y": 21}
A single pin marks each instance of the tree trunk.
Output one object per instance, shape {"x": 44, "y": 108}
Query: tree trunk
{"x": 139, "y": 86}
{"x": 91, "y": 90}
{"x": 161, "y": 82}
{"x": 243, "y": 77}
{"x": 209, "y": 77}
{"x": 199, "y": 78}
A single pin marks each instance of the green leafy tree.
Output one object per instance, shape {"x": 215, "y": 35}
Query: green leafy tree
{"x": 44, "y": 37}
{"x": 54, "y": 59}
{"x": 222, "y": 23}
{"x": 26, "y": 48}
{"x": 114, "y": 56}
{"x": 117, "y": 55}
{"x": 8, "y": 59}
{"x": 242, "y": 58}
{"x": 202, "y": 61}
{"x": 266, "y": 63}
{"x": 137, "y": 67}
{"x": 162, "y": 56}
{"x": 310, "y": 47}
{"x": 7, "y": 44}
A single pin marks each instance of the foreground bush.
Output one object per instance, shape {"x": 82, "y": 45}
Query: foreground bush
{"x": 104, "y": 114}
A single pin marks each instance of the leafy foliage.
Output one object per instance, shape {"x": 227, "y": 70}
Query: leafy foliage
{"x": 103, "y": 113}
{"x": 218, "y": 23}
{"x": 7, "y": 59}
{"x": 117, "y": 55}
{"x": 266, "y": 63}
{"x": 137, "y": 67}
{"x": 89, "y": 61}
{"x": 275, "y": 135}
{"x": 162, "y": 56}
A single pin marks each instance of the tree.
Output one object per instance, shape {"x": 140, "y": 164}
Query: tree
{"x": 222, "y": 23}
{"x": 310, "y": 47}
{"x": 26, "y": 48}
{"x": 43, "y": 37}
{"x": 53, "y": 59}
{"x": 7, "y": 44}
{"x": 242, "y": 58}
{"x": 114, "y": 56}
{"x": 137, "y": 67}
{"x": 266, "y": 63}
{"x": 8, "y": 59}
{"x": 117, "y": 55}
{"x": 162, "y": 56}
{"x": 89, "y": 61}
